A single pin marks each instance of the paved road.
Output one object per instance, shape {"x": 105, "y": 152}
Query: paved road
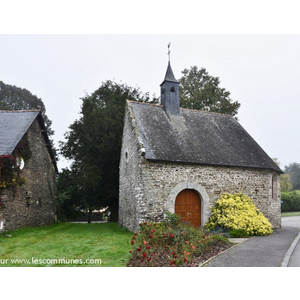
{"x": 281, "y": 248}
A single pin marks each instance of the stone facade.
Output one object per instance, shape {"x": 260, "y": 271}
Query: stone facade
{"x": 148, "y": 189}
{"x": 32, "y": 204}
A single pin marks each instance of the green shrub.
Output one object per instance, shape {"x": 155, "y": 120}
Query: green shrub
{"x": 238, "y": 212}
{"x": 172, "y": 219}
{"x": 238, "y": 233}
{"x": 160, "y": 245}
{"x": 290, "y": 201}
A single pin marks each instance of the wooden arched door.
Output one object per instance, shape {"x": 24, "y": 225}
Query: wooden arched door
{"x": 188, "y": 206}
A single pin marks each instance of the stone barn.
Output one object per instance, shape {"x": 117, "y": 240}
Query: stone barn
{"x": 182, "y": 160}
{"x": 27, "y": 171}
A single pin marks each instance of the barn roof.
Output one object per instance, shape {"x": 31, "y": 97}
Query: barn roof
{"x": 13, "y": 126}
{"x": 197, "y": 137}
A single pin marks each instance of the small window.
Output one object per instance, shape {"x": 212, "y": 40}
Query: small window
{"x": 172, "y": 89}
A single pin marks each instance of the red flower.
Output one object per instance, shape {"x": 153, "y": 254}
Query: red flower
{"x": 171, "y": 235}
{"x": 150, "y": 236}
{"x": 138, "y": 249}
{"x": 185, "y": 260}
{"x": 142, "y": 260}
{"x": 130, "y": 251}
{"x": 148, "y": 247}
{"x": 144, "y": 254}
{"x": 152, "y": 231}
{"x": 145, "y": 242}
{"x": 186, "y": 242}
{"x": 173, "y": 253}
{"x": 149, "y": 258}
{"x": 132, "y": 242}
{"x": 175, "y": 256}
{"x": 134, "y": 237}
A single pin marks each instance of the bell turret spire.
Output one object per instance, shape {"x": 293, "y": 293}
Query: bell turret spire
{"x": 169, "y": 90}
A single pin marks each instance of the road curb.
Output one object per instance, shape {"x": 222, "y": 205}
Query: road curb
{"x": 286, "y": 259}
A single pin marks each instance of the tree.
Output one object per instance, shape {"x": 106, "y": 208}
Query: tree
{"x": 285, "y": 183}
{"x": 94, "y": 145}
{"x": 15, "y": 98}
{"x": 294, "y": 170}
{"x": 199, "y": 90}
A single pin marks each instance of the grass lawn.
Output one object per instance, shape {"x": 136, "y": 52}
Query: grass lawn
{"x": 290, "y": 214}
{"x": 74, "y": 244}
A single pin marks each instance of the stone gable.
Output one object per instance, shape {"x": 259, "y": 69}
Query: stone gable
{"x": 32, "y": 204}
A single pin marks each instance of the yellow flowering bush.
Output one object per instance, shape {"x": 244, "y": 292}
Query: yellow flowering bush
{"x": 238, "y": 212}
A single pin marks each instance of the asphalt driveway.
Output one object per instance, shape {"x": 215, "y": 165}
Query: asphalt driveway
{"x": 280, "y": 249}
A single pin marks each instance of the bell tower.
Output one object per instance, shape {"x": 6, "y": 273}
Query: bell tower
{"x": 169, "y": 91}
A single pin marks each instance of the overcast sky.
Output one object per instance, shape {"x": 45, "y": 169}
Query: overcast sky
{"x": 262, "y": 72}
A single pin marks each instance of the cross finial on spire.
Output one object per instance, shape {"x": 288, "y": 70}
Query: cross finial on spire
{"x": 169, "y": 50}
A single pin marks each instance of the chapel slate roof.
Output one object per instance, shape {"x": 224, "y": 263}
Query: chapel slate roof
{"x": 13, "y": 126}
{"x": 197, "y": 137}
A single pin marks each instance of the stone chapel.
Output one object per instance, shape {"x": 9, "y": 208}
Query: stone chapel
{"x": 182, "y": 160}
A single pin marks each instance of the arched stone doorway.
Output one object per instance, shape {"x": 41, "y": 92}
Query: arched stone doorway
{"x": 200, "y": 190}
{"x": 188, "y": 206}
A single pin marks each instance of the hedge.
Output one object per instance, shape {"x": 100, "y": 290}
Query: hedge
{"x": 290, "y": 201}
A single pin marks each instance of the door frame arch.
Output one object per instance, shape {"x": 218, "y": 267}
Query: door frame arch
{"x": 205, "y": 209}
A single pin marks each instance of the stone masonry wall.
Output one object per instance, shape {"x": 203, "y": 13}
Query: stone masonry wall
{"x": 148, "y": 189}
{"x": 130, "y": 186}
{"x": 32, "y": 204}
{"x": 160, "y": 179}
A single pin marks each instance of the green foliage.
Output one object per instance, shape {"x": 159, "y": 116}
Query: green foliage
{"x": 199, "y": 90}
{"x": 10, "y": 175}
{"x": 94, "y": 144}
{"x": 290, "y": 201}
{"x": 238, "y": 212}
{"x": 285, "y": 183}
{"x": 220, "y": 231}
{"x": 15, "y": 98}
{"x": 172, "y": 219}
{"x": 293, "y": 169}
{"x": 160, "y": 245}
{"x": 238, "y": 233}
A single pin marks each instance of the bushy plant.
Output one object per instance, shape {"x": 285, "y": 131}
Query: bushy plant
{"x": 290, "y": 201}
{"x": 238, "y": 212}
{"x": 172, "y": 219}
{"x": 159, "y": 244}
{"x": 238, "y": 233}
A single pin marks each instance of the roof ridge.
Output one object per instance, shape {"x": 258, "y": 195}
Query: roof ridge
{"x": 145, "y": 103}
{"x": 18, "y": 111}
{"x": 206, "y": 111}
{"x": 182, "y": 108}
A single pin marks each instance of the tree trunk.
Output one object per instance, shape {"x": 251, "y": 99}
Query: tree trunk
{"x": 114, "y": 213}
{"x": 90, "y": 215}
